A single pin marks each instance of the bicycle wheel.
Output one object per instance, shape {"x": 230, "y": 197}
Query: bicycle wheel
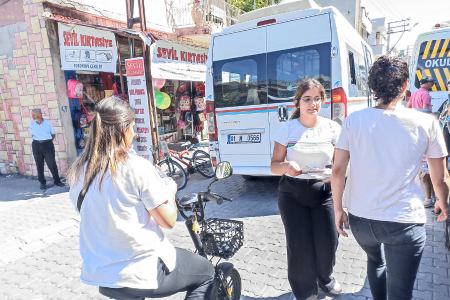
{"x": 174, "y": 171}
{"x": 235, "y": 285}
{"x": 202, "y": 162}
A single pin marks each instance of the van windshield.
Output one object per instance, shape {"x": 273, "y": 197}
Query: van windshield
{"x": 434, "y": 61}
{"x": 287, "y": 68}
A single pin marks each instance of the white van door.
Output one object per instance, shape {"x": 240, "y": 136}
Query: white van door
{"x": 296, "y": 50}
{"x": 240, "y": 98}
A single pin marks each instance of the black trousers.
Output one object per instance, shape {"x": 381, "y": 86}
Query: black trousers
{"x": 306, "y": 208}
{"x": 45, "y": 151}
{"x": 193, "y": 274}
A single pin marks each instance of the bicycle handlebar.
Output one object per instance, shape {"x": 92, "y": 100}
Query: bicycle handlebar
{"x": 214, "y": 198}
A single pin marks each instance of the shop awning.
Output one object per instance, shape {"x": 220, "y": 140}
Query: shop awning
{"x": 171, "y": 59}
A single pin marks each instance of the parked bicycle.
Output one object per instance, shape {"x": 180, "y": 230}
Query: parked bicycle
{"x": 200, "y": 161}
{"x": 220, "y": 238}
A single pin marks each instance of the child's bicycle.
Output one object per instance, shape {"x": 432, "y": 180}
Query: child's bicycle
{"x": 200, "y": 161}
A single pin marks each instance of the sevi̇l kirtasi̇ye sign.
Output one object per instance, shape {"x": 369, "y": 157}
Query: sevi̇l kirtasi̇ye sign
{"x": 137, "y": 92}
{"x": 88, "y": 49}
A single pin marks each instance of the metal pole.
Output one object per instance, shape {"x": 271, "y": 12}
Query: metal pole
{"x": 122, "y": 86}
{"x": 254, "y": 4}
{"x": 149, "y": 81}
{"x": 130, "y": 14}
{"x": 389, "y": 37}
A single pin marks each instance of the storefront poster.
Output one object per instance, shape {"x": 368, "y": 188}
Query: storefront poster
{"x": 87, "y": 49}
{"x": 137, "y": 92}
{"x": 171, "y": 60}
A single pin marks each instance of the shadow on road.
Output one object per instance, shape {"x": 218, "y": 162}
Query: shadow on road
{"x": 251, "y": 198}
{"x": 18, "y": 187}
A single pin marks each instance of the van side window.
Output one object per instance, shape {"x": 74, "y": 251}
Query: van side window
{"x": 287, "y": 68}
{"x": 240, "y": 82}
{"x": 351, "y": 62}
{"x": 433, "y": 61}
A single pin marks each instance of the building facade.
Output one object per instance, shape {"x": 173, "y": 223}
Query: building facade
{"x": 30, "y": 63}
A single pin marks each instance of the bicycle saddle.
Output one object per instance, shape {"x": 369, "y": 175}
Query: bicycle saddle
{"x": 117, "y": 294}
{"x": 188, "y": 199}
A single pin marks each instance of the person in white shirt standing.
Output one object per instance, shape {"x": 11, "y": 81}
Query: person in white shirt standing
{"x": 43, "y": 149}
{"x": 126, "y": 202}
{"x": 306, "y": 203}
{"x": 385, "y": 145}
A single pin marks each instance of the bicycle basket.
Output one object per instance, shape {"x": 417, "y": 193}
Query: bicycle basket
{"x": 161, "y": 150}
{"x": 223, "y": 237}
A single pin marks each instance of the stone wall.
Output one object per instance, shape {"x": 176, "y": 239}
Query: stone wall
{"x": 26, "y": 82}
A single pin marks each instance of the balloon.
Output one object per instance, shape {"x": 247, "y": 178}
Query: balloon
{"x": 158, "y": 83}
{"x": 159, "y": 98}
{"x": 166, "y": 102}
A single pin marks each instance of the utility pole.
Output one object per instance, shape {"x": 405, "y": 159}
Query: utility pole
{"x": 147, "y": 62}
{"x": 402, "y": 30}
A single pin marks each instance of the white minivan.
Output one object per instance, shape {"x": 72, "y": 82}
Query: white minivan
{"x": 254, "y": 69}
{"x": 431, "y": 57}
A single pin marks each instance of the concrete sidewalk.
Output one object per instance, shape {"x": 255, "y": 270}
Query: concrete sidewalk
{"x": 39, "y": 256}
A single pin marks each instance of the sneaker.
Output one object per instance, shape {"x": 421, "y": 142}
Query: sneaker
{"x": 337, "y": 289}
{"x": 59, "y": 183}
{"x": 428, "y": 203}
{"x": 43, "y": 186}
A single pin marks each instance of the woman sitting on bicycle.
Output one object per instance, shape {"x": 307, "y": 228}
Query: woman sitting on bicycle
{"x": 125, "y": 206}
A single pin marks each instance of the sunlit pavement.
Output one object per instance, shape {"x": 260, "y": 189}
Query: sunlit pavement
{"x": 39, "y": 256}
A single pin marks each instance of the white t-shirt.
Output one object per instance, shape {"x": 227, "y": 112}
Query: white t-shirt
{"x": 386, "y": 149}
{"x": 119, "y": 240}
{"x": 309, "y": 146}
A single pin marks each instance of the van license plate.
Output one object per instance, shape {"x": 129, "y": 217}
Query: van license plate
{"x": 244, "y": 138}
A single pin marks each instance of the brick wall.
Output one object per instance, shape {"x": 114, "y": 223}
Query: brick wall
{"x": 27, "y": 82}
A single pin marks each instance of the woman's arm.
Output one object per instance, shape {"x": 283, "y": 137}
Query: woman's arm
{"x": 341, "y": 159}
{"x": 441, "y": 183}
{"x": 166, "y": 214}
{"x": 280, "y": 167}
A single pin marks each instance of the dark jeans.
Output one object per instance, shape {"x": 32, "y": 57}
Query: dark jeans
{"x": 193, "y": 274}
{"x": 393, "y": 248}
{"x": 45, "y": 151}
{"x": 306, "y": 208}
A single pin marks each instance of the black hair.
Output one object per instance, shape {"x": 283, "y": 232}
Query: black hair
{"x": 387, "y": 78}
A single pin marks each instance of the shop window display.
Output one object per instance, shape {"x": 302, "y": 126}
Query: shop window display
{"x": 186, "y": 113}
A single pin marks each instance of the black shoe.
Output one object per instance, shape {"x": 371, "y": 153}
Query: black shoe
{"x": 59, "y": 183}
{"x": 43, "y": 187}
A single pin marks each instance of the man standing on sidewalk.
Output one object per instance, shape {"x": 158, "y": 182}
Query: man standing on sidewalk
{"x": 421, "y": 98}
{"x": 43, "y": 149}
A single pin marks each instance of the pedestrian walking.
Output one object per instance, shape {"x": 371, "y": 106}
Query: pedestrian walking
{"x": 126, "y": 202}
{"x": 421, "y": 98}
{"x": 424, "y": 175}
{"x": 43, "y": 149}
{"x": 305, "y": 203}
{"x": 385, "y": 145}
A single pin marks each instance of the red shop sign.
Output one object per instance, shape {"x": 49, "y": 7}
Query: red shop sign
{"x": 135, "y": 67}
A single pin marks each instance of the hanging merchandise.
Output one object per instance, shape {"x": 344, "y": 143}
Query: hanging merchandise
{"x": 181, "y": 124}
{"x": 182, "y": 89}
{"x": 158, "y": 83}
{"x": 83, "y": 108}
{"x": 80, "y": 119}
{"x": 188, "y": 117}
{"x": 185, "y": 103}
{"x": 159, "y": 98}
{"x": 166, "y": 102}
{"x": 200, "y": 103}
{"x": 202, "y": 117}
{"x": 200, "y": 89}
{"x": 74, "y": 88}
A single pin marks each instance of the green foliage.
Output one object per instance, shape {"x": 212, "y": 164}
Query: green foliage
{"x": 248, "y": 5}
